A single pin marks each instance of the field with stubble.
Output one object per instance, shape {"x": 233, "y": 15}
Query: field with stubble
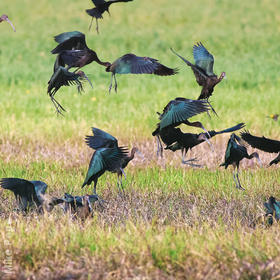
{"x": 174, "y": 222}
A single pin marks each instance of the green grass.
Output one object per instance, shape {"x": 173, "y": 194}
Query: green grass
{"x": 176, "y": 222}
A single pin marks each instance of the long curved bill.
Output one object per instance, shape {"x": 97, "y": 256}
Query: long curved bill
{"x": 88, "y": 81}
{"x": 11, "y": 24}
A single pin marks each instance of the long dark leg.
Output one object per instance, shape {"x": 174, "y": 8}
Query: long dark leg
{"x": 90, "y": 23}
{"x": 97, "y": 30}
{"x": 159, "y": 147}
{"x": 116, "y": 85}
{"x": 110, "y": 87}
{"x": 213, "y": 110}
{"x": 57, "y": 106}
{"x": 100, "y": 201}
{"x": 239, "y": 185}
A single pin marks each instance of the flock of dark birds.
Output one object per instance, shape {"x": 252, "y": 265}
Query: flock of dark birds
{"x": 73, "y": 52}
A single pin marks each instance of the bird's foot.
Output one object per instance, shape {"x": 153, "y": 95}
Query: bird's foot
{"x": 240, "y": 188}
{"x": 189, "y": 162}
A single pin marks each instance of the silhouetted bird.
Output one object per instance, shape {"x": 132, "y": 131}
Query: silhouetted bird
{"x": 234, "y": 154}
{"x": 29, "y": 192}
{"x": 203, "y": 70}
{"x": 101, "y": 6}
{"x": 5, "y": 18}
{"x": 108, "y": 158}
{"x": 186, "y": 141}
{"x": 176, "y": 112}
{"x": 132, "y": 64}
{"x": 264, "y": 144}
{"x": 102, "y": 139}
{"x": 79, "y": 206}
{"x": 62, "y": 77}
{"x": 74, "y": 51}
{"x": 272, "y": 210}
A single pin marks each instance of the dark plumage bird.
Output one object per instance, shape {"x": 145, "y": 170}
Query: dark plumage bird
{"x": 107, "y": 157}
{"x": 5, "y": 18}
{"x": 79, "y": 206}
{"x": 101, "y": 6}
{"x": 264, "y": 144}
{"x": 234, "y": 154}
{"x": 132, "y": 64}
{"x": 74, "y": 51}
{"x": 176, "y": 112}
{"x": 62, "y": 77}
{"x": 28, "y": 193}
{"x": 272, "y": 210}
{"x": 203, "y": 70}
{"x": 186, "y": 141}
{"x": 102, "y": 139}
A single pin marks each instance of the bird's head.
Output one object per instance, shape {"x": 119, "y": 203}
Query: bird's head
{"x": 5, "y": 18}
{"x": 108, "y": 67}
{"x": 84, "y": 76}
{"x": 256, "y": 155}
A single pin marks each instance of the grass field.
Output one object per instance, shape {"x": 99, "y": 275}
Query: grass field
{"x": 175, "y": 222}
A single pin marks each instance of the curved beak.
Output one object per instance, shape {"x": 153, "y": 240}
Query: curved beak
{"x": 11, "y": 24}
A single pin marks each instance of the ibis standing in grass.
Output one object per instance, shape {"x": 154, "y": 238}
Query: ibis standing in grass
{"x": 234, "y": 154}
{"x": 102, "y": 139}
{"x": 203, "y": 70}
{"x": 133, "y": 64}
{"x": 108, "y": 156}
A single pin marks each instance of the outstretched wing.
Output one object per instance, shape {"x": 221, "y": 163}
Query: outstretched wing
{"x": 22, "y": 188}
{"x": 105, "y": 159}
{"x": 98, "y": 2}
{"x": 203, "y": 59}
{"x": 62, "y": 77}
{"x": 130, "y": 63}
{"x": 261, "y": 143}
{"x": 70, "y": 40}
{"x": 101, "y": 139}
{"x": 179, "y": 110}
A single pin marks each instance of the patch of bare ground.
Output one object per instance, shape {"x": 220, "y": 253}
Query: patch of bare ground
{"x": 74, "y": 153}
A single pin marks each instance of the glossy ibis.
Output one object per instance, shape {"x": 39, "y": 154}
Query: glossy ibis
{"x": 272, "y": 210}
{"x": 186, "y": 141}
{"x": 178, "y": 111}
{"x": 5, "y": 18}
{"x": 28, "y": 193}
{"x": 264, "y": 144}
{"x": 101, "y": 6}
{"x": 74, "y": 51}
{"x": 203, "y": 70}
{"x": 108, "y": 158}
{"x": 102, "y": 139}
{"x": 234, "y": 154}
{"x": 62, "y": 77}
{"x": 79, "y": 206}
{"x": 132, "y": 64}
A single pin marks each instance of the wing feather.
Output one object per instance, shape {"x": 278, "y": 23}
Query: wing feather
{"x": 261, "y": 143}
{"x": 203, "y": 58}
